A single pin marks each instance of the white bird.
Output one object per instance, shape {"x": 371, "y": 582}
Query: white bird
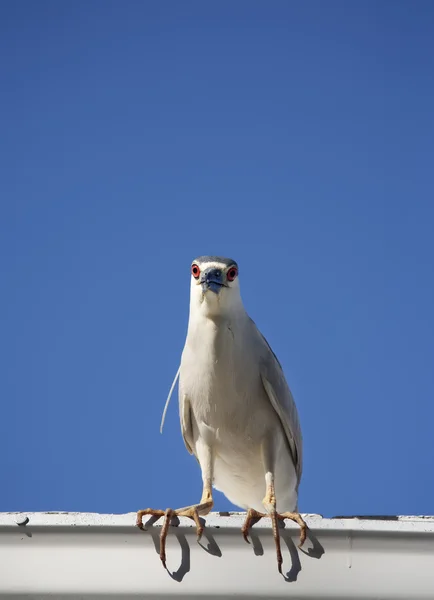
{"x": 238, "y": 416}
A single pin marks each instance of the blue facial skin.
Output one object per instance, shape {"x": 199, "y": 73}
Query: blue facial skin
{"x": 212, "y": 279}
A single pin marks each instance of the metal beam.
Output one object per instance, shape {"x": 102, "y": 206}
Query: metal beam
{"x": 101, "y": 557}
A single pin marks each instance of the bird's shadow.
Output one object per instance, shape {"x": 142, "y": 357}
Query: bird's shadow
{"x": 258, "y": 548}
{"x": 26, "y": 531}
{"x": 212, "y": 547}
{"x": 285, "y": 535}
{"x": 184, "y": 567}
{"x": 316, "y": 550}
{"x": 295, "y": 569}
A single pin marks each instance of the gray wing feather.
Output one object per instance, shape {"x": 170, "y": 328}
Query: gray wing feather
{"x": 280, "y": 396}
{"x": 186, "y": 427}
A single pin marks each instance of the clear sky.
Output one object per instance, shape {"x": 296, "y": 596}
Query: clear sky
{"x": 295, "y": 137}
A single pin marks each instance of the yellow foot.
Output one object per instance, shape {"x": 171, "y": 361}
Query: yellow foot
{"x": 275, "y": 517}
{"x": 192, "y": 512}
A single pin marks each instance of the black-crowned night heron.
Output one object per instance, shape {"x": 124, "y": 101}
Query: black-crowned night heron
{"x": 238, "y": 416}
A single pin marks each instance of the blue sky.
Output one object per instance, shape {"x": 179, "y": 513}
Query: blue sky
{"x": 295, "y": 137}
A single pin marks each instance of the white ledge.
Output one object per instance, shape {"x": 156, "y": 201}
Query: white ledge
{"x": 94, "y": 556}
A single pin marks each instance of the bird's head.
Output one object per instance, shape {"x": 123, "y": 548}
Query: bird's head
{"x": 215, "y": 289}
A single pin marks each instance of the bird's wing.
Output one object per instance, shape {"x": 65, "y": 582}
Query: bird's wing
{"x": 277, "y": 389}
{"x": 185, "y": 418}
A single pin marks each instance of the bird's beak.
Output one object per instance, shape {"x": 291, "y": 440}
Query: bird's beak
{"x": 212, "y": 279}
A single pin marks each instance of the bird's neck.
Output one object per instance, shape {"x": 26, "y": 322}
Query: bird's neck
{"x": 208, "y": 324}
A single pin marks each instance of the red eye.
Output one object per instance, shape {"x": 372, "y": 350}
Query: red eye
{"x": 232, "y": 273}
{"x": 195, "y": 271}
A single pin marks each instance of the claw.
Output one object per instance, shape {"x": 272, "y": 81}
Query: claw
{"x": 147, "y": 511}
{"x": 245, "y": 536}
{"x": 252, "y": 515}
{"x": 163, "y": 535}
{"x": 275, "y": 517}
{"x": 296, "y": 517}
{"x": 192, "y": 512}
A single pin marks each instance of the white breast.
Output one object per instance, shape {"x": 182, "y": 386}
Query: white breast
{"x": 231, "y": 411}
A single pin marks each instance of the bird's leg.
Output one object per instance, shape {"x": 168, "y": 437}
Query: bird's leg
{"x": 192, "y": 512}
{"x": 269, "y": 503}
{"x": 270, "y": 506}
